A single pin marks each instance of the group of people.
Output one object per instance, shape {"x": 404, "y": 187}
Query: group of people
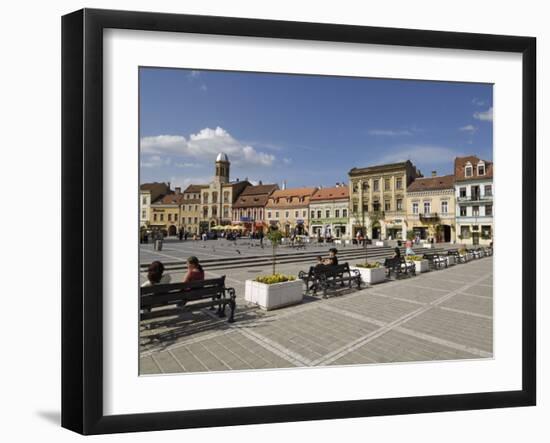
{"x": 156, "y": 275}
{"x": 331, "y": 260}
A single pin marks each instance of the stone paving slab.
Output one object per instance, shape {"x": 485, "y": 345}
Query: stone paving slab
{"x": 473, "y": 304}
{"x": 396, "y": 346}
{"x": 440, "y": 315}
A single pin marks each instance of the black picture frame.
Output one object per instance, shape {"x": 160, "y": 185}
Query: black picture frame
{"x": 82, "y": 190}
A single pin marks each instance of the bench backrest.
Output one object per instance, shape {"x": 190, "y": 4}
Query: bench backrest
{"x": 158, "y": 295}
{"x": 330, "y": 270}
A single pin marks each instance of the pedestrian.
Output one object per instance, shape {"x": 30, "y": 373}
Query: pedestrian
{"x": 180, "y": 234}
{"x": 194, "y": 270}
{"x": 408, "y": 248}
{"x": 155, "y": 275}
{"x": 332, "y": 259}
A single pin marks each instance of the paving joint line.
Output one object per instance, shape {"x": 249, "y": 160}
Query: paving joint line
{"x": 355, "y": 344}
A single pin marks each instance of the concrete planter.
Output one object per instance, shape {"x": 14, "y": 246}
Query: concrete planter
{"x": 274, "y": 296}
{"x": 451, "y": 260}
{"x": 421, "y": 265}
{"x": 371, "y": 275}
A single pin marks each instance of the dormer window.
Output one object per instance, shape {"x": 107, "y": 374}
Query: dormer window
{"x": 468, "y": 170}
{"x": 481, "y": 168}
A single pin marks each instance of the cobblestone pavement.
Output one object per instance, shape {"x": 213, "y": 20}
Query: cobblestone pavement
{"x": 439, "y": 315}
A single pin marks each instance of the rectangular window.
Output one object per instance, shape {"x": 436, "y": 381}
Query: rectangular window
{"x": 399, "y": 183}
{"x": 399, "y": 204}
{"x": 488, "y": 191}
{"x": 387, "y": 184}
{"x": 344, "y": 212}
{"x": 354, "y": 186}
{"x": 161, "y": 217}
{"x": 489, "y": 210}
{"x": 386, "y": 205}
{"x": 276, "y": 214}
{"x": 463, "y": 192}
{"x": 327, "y": 213}
{"x": 196, "y": 220}
{"x": 287, "y": 214}
{"x": 427, "y": 207}
{"x": 475, "y": 211}
{"x": 312, "y": 214}
{"x": 415, "y": 208}
{"x": 486, "y": 232}
{"x": 337, "y": 213}
{"x": 296, "y": 214}
{"x": 444, "y": 207}
{"x": 304, "y": 213}
{"x": 468, "y": 171}
{"x": 268, "y": 214}
{"x": 169, "y": 217}
{"x": 375, "y": 186}
{"x": 355, "y": 209}
{"x": 143, "y": 214}
{"x": 155, "y": 217}
{"x": 318, "y": 214}
{"x": 189, "y": 220}
{"x": 144, "y": 200}
{"x": 481, "y": 170}
{"x": 463, "y": 211}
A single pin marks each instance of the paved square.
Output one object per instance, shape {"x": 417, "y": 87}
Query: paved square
{"x": 440, "y": 315}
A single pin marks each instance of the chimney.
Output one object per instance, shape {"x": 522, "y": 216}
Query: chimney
{"x": 178, "y": 190}
{"x": 434, "y": 173}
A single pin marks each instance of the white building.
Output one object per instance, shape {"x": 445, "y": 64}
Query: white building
{"x": 474, "y": 191}
{"x": 148, "y": 194}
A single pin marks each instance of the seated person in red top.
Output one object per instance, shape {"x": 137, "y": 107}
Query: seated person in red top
{"x": 194, "y": 270}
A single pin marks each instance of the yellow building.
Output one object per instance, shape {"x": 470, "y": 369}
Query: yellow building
{"x": 431, "y": 208}
{"x": 166, "y": 214}
{"x": 191, "y": 208}
{"x": 218, "y": 197}
{"x": 377, "y": 200}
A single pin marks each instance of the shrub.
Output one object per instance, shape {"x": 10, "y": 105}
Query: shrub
{"x": 367, "y": 265}
{"x": 275, "y": 278}
{"x": 414, "y": 257}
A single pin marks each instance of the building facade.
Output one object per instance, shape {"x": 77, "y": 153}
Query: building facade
{"x": 329, "y": 212}
{"x": 148, "y": 194}
{"x": 218, "y": 197}
{"x": 431, "y": 208}
{"x": 191, "y": 208}
{"x": 288, "y": 210}
{"x": 166, "y": 214}
{"x": 249, "y": 208}
{"x": 377, "y": 199}
{"x": 474, "y": 192}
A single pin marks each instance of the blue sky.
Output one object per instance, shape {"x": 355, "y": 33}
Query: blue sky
{"x": 307, "y": 130}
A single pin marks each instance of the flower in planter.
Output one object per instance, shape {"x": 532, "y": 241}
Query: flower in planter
{"x": 367, "y": 265}
{"x": 415, "y": 257}
{"x": 275, "y": 278}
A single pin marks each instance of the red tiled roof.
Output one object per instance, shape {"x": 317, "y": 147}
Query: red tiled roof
{"x": 460, "y": 164}
{"x": 254, "y": 196}
{"x": 279, "y": 199}
{"x": 432, "y": 183}
{"x": 334, "y": 193}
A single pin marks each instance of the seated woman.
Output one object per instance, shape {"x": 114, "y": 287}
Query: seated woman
{"x": 194, "y": 270}
{"x": 155, "y": 275}
{"x": 332, "y": 260}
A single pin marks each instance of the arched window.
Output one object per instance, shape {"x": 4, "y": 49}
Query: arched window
{"x": 481, "y": 168}
{"x": 468, "y": 170}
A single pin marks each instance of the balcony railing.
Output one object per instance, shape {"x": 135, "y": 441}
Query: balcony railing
{"x": 476, "y": 198}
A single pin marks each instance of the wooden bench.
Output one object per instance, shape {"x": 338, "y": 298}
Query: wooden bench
{"x": 174, "y": 298}
{"x": 399, "y": 267}
{"x": 323, "y": 277}
{"x": 436, "y": 261}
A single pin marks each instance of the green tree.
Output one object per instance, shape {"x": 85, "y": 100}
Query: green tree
{"x": 275, "y": 237}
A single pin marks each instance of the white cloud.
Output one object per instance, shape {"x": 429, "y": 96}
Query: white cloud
{"x": 205, "y": 145}
{"x": 435, "y": 155}
{"x": 155, "y": 161}
{"x": 486, "y": 116}
{"x": 478, "y": 102}
{"x": 287, "y": 161}
{"x": 194, "y": 74}
{"x": 470, "y": 129}
{"x": 389, "y": 132}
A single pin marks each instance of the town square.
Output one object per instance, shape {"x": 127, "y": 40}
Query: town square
{"x": 258, "y": 255}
